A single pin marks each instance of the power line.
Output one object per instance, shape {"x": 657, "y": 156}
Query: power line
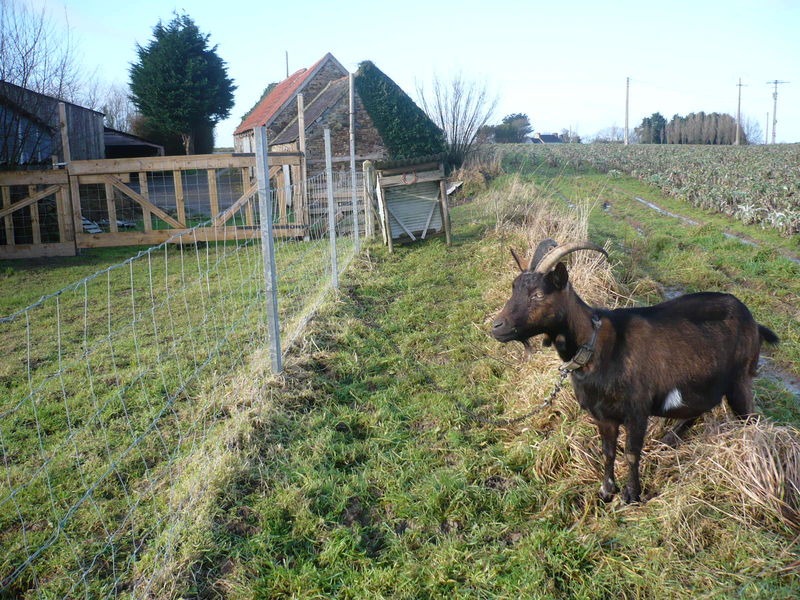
{"x": 776, "y": 83}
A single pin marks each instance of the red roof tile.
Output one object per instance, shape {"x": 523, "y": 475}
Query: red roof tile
{"x": 269, "y": 106}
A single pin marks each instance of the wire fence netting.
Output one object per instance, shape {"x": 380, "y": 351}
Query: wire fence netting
{"x": 110, "y": 403}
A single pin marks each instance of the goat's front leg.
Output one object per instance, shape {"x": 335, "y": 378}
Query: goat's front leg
{"x": 609, "y": 430}
{"x": 635, "y": 429}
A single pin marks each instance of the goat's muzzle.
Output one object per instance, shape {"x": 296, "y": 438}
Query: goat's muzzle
{"x": 503, "y": 332}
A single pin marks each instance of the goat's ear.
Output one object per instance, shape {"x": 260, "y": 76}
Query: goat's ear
{"x": 517, "y": 260}
{"x": 558, "y": 276}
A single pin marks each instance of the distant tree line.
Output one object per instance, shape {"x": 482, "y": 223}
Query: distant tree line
{"x": 695, "y": 128}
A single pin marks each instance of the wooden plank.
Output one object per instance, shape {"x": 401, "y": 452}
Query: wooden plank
{"x": 231, "y": 210}
{"x": 145, "y": 192}
{"x": 180, "y": 201}
{"x": 445, "y": 210}
{"x": 411, "y": 178}
{"x": 248, "y": 209}
{"x": 98, "y": 179}
{"x": 30, "y": 199}
{"x": 430, "y": 166}
{"x": 281, "y": 181}
{"x": 111, "y": 206}
{"x": 66, "y": 155}
{"x": 386, "y": 228}
{"x": 213, "y": 194}
{"x": 36, "y": 231}
{"x": 37, "y": 250}
{"x": 143, "y": 202}
{"x": 173, "y": 163}
{"x": 402, "y": 225}
{"x": 9, "y": 221}
{"x": 63, "y": 236}
{"x": 33, "y": 177}
{"x": 75, "y": 201}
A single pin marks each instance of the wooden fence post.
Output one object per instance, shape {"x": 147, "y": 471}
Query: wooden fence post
{"x": 369, "y": 195}
{"x": 268, "y": 250}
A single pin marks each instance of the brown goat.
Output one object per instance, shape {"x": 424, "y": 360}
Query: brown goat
{"x": 675, "y": 359}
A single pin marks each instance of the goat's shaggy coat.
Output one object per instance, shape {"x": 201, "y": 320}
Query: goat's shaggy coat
{"x": 676, "y": 359}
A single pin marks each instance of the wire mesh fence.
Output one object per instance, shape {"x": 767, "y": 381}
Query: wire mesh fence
{"x": 110, "y": 411}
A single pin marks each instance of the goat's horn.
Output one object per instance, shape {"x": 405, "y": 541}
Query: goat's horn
{"x": 556, "y": 254}
{"x": 541, "y": 250}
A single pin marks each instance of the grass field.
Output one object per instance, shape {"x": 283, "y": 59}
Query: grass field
{"x": 359, "y": 475}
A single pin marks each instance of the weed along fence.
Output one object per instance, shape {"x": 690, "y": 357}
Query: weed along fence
{"x": 123, "y": 392}
{"x": 144, "y": 201}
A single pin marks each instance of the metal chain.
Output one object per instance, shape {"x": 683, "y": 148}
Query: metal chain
{"x": 563, "y": 373}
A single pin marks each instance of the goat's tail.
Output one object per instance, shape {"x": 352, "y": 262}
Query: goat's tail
{"x": 768, "y": 335}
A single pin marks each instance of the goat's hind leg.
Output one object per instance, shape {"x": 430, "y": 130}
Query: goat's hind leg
{"x": 609, "y": 430}
{"x": 740, "y": 397}
{"x": 675, "y": 435}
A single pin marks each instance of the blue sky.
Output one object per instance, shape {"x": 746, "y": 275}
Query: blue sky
{"x": 563, "y": 63}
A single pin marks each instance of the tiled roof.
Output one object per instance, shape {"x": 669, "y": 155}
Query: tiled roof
{"x": 266, "y": 110}
{"x": 325, "y": 100}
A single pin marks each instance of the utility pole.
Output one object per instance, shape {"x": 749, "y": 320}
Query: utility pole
{"x": 287, "y": 64}
{"x": 627, "y": 103}
{"x": 775, "y": 106}
{"x": 738, "y": 112}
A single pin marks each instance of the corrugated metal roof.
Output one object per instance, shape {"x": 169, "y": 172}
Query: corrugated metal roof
{"x": 413, "y": 204}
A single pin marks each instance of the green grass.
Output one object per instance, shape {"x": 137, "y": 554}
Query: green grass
{"x": 368, "y": 481}
{"x": 357, "y": 475}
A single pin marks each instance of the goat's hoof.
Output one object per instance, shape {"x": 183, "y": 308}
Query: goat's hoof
{"x": 607, "y": 495}
{"x": 631, "y": 497}
{"x": 671, "y": 439}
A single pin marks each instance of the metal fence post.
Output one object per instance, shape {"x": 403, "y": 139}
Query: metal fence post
{"x": 331, "y": 210}
{"x": 268, "y": 250}
{"x": 353, "y": 164}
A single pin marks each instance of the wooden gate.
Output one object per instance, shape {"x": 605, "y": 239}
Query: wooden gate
{"x": 144, "y": 201}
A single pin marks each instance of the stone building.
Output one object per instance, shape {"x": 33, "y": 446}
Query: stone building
{"x": 325, "y": 89}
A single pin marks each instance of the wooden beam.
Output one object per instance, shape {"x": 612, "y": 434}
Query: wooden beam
{"x": 225, "y": 216}
{"x": 66, "y": 154}
{"x": 147, "y": 217}
{"x": 63, "y": 221}
{"x": 445, "y": 210}
{"x": 180, "y": 202}
{"x": 9, "y": 221}
{"x": 75, "y": 201}
{"x": 172, "y": 163}
{"x": 412, "y": 178}
{"x": 143, "y": 202}
{"x": 248, "y": 210}
{"x": 36, "y": 231}
{"x": 201, "y": 234}
{"x": 37, "y": 250}
{"x": 430, "y": 166}
{"x": 213, "y": 194}
{"x": 111, "y": 206}
{"x": 33, "y": 177}
{"x": 30, "y": 199}
{"x": 403, "y": 225}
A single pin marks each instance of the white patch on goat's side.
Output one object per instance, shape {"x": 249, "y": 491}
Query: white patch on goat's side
{"x": 673, "y": 400}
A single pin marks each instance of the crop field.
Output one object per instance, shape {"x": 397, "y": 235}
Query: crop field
{"x": 361, "y": 472}
{"x": 755, "y": 184}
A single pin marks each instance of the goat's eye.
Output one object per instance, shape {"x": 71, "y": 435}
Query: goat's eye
{"x": 538, "y": 295}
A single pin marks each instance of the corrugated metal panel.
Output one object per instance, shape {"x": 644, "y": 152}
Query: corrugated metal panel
{"x": 412, "y": 204}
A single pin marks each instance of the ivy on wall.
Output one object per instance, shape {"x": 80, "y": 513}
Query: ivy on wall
{"x": 404, "y": 127}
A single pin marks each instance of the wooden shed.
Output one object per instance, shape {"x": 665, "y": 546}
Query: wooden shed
{"x": 412, "y": 199}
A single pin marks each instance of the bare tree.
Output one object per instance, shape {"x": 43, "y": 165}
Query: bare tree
{"x": 119, "y": 110}
{"x": 460, "y": 107}
{"x": 752, "y": 131}
{"x": 35, "y": 56}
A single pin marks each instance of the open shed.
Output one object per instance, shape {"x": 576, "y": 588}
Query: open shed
{"x": 412, "y": 199}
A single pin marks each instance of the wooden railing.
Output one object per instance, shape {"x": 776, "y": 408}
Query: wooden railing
{"x": 133, "y": 201}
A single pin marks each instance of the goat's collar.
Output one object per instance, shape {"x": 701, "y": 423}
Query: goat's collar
{"x": 585, "y": 352}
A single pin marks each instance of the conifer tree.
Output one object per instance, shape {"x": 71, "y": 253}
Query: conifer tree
{"x": 180, "y": 84}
